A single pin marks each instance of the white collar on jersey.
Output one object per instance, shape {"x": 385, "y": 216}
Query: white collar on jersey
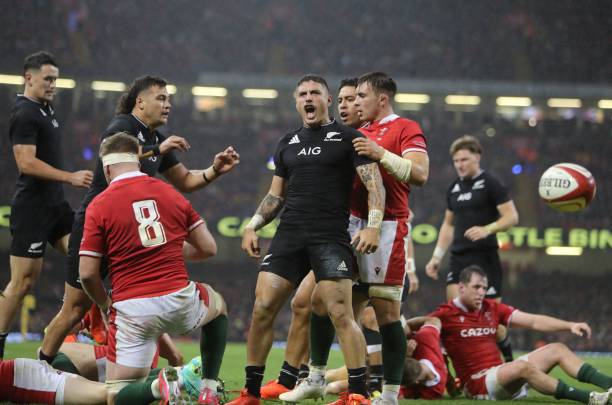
{"x": 128, "y": 175}
{"x": 429, "y": 365}
{"x": 460, "y": 305}
{"x": 388, "y": 118}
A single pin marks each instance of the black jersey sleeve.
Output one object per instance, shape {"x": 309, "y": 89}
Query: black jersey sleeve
{"x": 169, "y": 159}
{"x": 448, "y": 196}
{"x": 357, "y": 160}
{"x": 23, "y": 129}
{"x": 280, "y": 169}
{"x": 497, "y": 191}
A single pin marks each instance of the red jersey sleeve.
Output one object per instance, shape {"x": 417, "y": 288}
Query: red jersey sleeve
{"x": 412, "y": 139}
{"x": 193, "y": 218}
{"x": 92, "y": 243}
{"x": 504, "y": 312}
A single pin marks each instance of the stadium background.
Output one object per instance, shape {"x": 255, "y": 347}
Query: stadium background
{"x": 542, "y": 50}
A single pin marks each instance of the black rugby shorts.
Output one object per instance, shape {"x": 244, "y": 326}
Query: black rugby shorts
{"x": 72, "y": 259}
{"x": 294, "y": 252}
{"x": 32, "y": 227}
{"x": 487, "y": 259}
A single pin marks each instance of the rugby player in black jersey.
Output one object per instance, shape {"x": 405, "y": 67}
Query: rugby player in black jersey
{"x": 478, "y": 206}
{"x": 39, "y": 212}
{"x": 315, "y": 168}
{"x": 140, "y": 111}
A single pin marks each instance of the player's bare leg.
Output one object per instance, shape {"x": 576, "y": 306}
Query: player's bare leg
{"x": 83, "y": 357}
{"x": 334, "y": 299}
{"x": 297, "y": 341}
{"x": 75, "y": 306}
{"x": 24, "y": 273}
{"x": 79, "y": 390}
{"x": 271, "y": 292}
{"x": 535, "y": 370}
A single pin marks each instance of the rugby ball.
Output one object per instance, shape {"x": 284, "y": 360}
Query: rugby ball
{"x": 567, "y": 187}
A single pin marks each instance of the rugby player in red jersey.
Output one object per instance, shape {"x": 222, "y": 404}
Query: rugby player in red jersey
{"x": 469, "y": 326}
{"x": 141, "y": 225}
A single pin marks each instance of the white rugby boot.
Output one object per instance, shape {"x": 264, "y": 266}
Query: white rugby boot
{"x": 305, "y": 389}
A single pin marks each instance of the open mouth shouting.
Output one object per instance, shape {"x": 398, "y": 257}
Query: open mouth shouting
{"x": 311, "y": 112}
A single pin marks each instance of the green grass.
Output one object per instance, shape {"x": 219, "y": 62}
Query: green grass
{"x": 235, "y": 356}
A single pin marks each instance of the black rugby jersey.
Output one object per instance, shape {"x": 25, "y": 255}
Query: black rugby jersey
{"x": 318, "y": 165}
{"x": 474, "y": 202}
{"x": 33, "y": 123}
{"x": 151, "y": 165}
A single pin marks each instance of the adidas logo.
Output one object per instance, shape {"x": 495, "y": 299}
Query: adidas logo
{"x": 456, "y": 189}
{"x": 342, "y": 266}
{"x": 295, "y": 139}
{"x": 140, "y": 137}
{"x": 491, "y": 291}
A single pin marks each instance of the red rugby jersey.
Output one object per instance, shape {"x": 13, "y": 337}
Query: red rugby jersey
{"x": 397, "y": 135}
{"x": 428, "y": 353}
{"x": 140, "y": 223}
{"x": 470, "y": 336}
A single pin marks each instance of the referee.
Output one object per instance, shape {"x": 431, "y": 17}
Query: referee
{"x": 478, "y": 206}
{"x": 39, "y": 212}
{"x": 140, "y": 112}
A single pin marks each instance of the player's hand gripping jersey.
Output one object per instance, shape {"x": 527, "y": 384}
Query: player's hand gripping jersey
{"x": 399, "y": 136}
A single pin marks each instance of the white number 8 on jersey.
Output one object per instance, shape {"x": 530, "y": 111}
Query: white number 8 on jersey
{"x": 150, "y": 230}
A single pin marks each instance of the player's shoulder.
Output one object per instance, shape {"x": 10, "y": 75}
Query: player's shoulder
{"x": 122, "y": 123}
{"x": 293, "y": 135}
{"x": 446, "y": 308}
{"x": 406, "y": 125}
{"x": 26, "y": 108}
{"x": 337, "y": 129}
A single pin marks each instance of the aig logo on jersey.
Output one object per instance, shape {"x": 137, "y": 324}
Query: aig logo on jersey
{"x": 465, "y": 196}
{"x": 316, "y": 150}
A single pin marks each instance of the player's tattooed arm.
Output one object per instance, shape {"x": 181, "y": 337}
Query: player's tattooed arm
{"x": 270, "y": 206}
{"x": 372, "y": 180}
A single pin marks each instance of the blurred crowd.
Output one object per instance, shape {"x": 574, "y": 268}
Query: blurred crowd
{"x": 548, "y": 40}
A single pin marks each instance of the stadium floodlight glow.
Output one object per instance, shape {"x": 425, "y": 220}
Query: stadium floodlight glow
{"x": 205, "y": 91}
{"x": 605, "y": 104}
{"x": 412, "y": 98}
{"x": 11, "y": 79}
{"x": 107, "y": 86}
{"x": 564, "y": 102}
{"x": 513, "y": 101}
{"x": 459, "y": 99}
{"x": 260, "y": 93}
{"x": 171, "y": 88}
{"x": 65, "y": 84}
{"x": 564, "y": 251}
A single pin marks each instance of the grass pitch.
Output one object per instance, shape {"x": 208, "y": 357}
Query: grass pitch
{"x": 232, "y": 371}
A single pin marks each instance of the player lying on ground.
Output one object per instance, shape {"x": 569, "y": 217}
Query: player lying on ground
{"x": 26, "y": 381}
{"x": 469, "y": 325}
{"x": 425, "y": 373}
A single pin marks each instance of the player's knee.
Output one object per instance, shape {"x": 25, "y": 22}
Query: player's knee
{"x": 526, "y": 369}
{"x": 300, "y": 307}
{"x": 22, "y": 284}
{"x": 558, "y": 348}
{"x": 339, "y": 315}
{"x": 368, "y": 318}
{"x": 263, "y": 311}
